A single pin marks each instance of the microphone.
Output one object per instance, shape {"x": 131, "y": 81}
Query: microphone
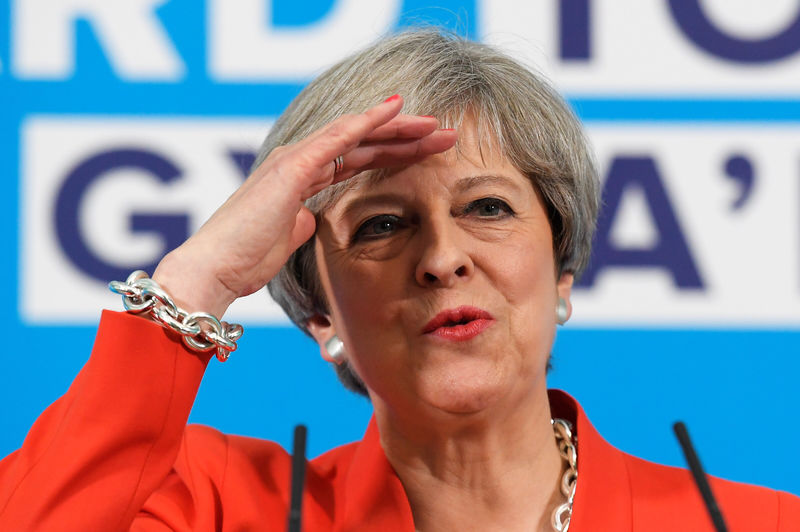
{"x": 298, "y": 478}
{"x": 700, "y": 477}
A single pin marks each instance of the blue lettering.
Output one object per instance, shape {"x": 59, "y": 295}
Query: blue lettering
{"x": 173, "y": 228}
{"x": 694, "y": 23}
{"x": 670, "y": 252}
{"x": 575, "y": 29}
{"x": 243, "y": 160}
{"x": 740, "y": 170}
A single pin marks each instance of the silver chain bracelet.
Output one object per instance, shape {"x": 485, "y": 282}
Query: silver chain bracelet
{"x": 200, "y": 331}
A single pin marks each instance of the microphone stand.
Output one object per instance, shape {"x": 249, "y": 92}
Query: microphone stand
{"x": 298, "y": 478}
{"x": 700, "y": 477}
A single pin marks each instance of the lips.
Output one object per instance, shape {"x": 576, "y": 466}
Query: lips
{"x": 459, "y": 324}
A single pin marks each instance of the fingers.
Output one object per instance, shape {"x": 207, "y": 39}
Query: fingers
{"x": 403, "y": 127}
{"x": 378, "y": 137}
{"x": 400, "y": 152}
{"x": 348, "y": 131}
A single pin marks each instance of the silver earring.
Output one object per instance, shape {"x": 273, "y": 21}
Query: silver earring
{"x": 561, "y": 311}
{"x": 335, "y": 349}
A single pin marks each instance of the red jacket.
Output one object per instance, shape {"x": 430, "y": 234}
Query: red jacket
{"x": 114, "y": 454}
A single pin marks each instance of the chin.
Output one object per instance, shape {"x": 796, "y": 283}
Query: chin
{"x": 465, "y": 394}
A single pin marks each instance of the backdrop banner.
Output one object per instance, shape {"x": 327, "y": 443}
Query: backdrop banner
{"x": 125, "y": 124}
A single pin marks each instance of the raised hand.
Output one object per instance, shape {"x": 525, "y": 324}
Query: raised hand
{"x": 247, "y": 240}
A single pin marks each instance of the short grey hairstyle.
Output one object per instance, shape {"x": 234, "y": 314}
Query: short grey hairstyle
{"x": 514, "y": 110}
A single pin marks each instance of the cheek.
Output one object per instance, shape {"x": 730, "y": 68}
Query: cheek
{"x": 369, "y": 317}
{"x": 355, "y": 294}
{"x": 367, "y": 294}
{"x": 531, "y": 296}
{"x": 527, "y": 274}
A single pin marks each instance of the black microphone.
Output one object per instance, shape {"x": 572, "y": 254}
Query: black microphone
{"x": 699, "y": 475}
{"x": 298, "y": 478}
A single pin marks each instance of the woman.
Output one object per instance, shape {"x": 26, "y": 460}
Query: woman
{"x": 433, "y": 281}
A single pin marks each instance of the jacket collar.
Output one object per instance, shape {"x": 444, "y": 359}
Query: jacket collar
{"x": 603, "y": 494}
{"x": 376, "y": 497}
{"x": 374, "y": 494}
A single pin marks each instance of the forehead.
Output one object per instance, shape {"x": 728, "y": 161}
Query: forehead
{"x": 470, "y": 162}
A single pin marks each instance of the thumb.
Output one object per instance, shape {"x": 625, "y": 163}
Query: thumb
{"x": 304, "y": 227}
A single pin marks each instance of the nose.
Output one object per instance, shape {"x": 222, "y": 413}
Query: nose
{"x": 444, "y": 257}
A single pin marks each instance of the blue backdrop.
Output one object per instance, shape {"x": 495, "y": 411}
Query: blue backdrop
{"x": 733, "y": 383}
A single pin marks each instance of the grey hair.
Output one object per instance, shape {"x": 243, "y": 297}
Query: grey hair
{"x": 514, "y": 110}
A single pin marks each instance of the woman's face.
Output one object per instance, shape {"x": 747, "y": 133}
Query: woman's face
{"x": 441, "y": 283}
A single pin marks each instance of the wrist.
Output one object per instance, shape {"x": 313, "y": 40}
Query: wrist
{"x": 192, "y": 288}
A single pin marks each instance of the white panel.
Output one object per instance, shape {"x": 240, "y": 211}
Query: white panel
{"x": 748, "y": 258}
{"x": 637, "y": 48}
{"x": 52, "y": 146}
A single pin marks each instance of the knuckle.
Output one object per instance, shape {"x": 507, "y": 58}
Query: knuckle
{"x": 340, "y": 128}
{"x": 274, "y": 156}
{"x": 337, "y": 131}
{"x": 277, "y": 151}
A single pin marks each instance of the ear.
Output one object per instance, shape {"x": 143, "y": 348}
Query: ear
{"x": 321, "y": 328}
{"x": 564, "y": 289}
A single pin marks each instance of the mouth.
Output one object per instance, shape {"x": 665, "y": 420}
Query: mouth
{"x": 459, "y": 324}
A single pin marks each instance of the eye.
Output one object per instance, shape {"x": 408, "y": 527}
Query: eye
{"x": 377, "y": 226}
{"x": 489, "y": 208}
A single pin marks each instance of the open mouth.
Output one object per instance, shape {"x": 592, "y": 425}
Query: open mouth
{"x": 461, "y": 323}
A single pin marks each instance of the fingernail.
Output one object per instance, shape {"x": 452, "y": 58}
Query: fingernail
{"x": 448, "y": 129}
{"x": 391, "y": 98}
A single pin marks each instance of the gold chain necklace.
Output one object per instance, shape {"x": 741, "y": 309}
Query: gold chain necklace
{"x": 566, "y": 447}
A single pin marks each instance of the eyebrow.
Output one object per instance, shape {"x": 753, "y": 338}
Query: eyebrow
{"x": 463, "y": 184}
{"x": 466, "y": 183}
{"x": 357, "y": 203}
